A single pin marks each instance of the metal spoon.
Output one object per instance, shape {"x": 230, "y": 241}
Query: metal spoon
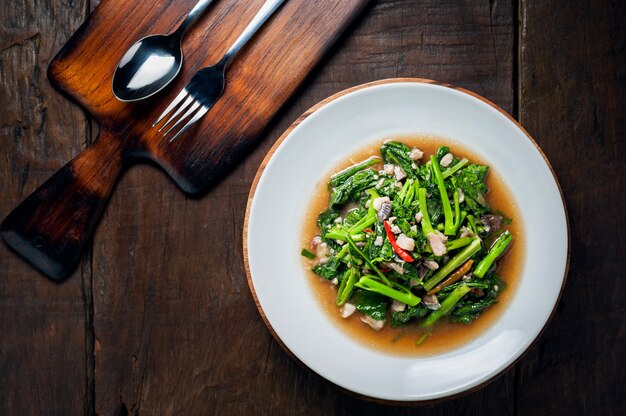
{"x": 207, "y": 85}
{"x": 153, "y": 62}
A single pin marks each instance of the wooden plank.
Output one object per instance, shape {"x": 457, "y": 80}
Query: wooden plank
{"x": 42, "y": 325}
{"x": 51, "y": 227}
{"x": 573, "y": 88}
{"x": 176, "y": 329}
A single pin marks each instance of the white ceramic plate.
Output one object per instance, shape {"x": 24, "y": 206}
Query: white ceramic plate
{"x": 314, "y": 145}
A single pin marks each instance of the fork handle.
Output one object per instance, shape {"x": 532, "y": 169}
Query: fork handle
{"x": 268, "y": 8}
{"x": 51, "y": 227}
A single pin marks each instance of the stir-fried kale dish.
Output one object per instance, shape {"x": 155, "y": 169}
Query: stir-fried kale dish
{"x": 415, "y": 241}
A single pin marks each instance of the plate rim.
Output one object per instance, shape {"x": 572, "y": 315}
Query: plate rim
{"x": 278, "y": 143}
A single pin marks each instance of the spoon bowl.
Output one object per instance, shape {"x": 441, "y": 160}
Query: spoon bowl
{"x": 207, "y": 85}
{"x": 153, "y": 62}
{"x": 148, "y": 67}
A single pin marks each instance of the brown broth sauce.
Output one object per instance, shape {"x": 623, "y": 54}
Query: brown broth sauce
{"x": 445, "y": 336}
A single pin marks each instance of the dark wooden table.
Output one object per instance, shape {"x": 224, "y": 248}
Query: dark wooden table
{"x": 158, "y": 318}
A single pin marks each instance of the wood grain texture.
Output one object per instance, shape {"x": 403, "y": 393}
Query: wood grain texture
{"x": 573, "y": 84}
{"x": 259, "y": 81}
{"x": 52, "y": 225}
{"x": 261, "y": 78}
{"x": 167, "y": 325}
{"x": 191, "y": 317}
{"x": 42, "y": 325}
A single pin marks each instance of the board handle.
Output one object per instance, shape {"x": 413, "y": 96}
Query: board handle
{"x": 51, "y": 227}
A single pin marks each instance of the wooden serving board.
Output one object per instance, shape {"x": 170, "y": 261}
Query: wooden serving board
{"x": 51, "y": 227}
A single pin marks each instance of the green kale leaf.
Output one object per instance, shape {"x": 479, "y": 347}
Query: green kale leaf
{"x": 400, "y": 318}
{"x": 328, "y": 270}
{"x": 326, "y": 220}
{"x": 471, "y": 180}
{"x": 370, "y": 303}
{"x": 352, "y": 187}
{"x": 398, "y": 153}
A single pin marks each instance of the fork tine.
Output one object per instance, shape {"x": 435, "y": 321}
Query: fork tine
{"x": 172, "y": 105}
{"x": 195, "y": 118}
{"x": 184, "y": 106}
{"x": 182, "y": 118}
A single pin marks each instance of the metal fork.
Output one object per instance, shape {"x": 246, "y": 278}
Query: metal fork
{"x": 207, "y": 84}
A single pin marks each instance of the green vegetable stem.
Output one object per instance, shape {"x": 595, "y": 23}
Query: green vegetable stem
{"x": 445, "y": 200}
{"x": 347, "y": 284}
{"x": 395, "y": 291}
{"x": 447, "y": 305}
{"x": 427, "y": 227}
{"x": 495, "y": 251}
{"x": 369, "y": 218}
{"x": 452, "y": 170}
{"x": 453, "y": 263}
{"x": 340, "y": 177}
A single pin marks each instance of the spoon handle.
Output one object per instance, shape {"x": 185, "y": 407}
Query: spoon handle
{"x": 263, "y": 14}
{"x": 193, "y": 15}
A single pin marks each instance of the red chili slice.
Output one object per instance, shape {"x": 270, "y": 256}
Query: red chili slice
{"x": 404, "y": 255}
